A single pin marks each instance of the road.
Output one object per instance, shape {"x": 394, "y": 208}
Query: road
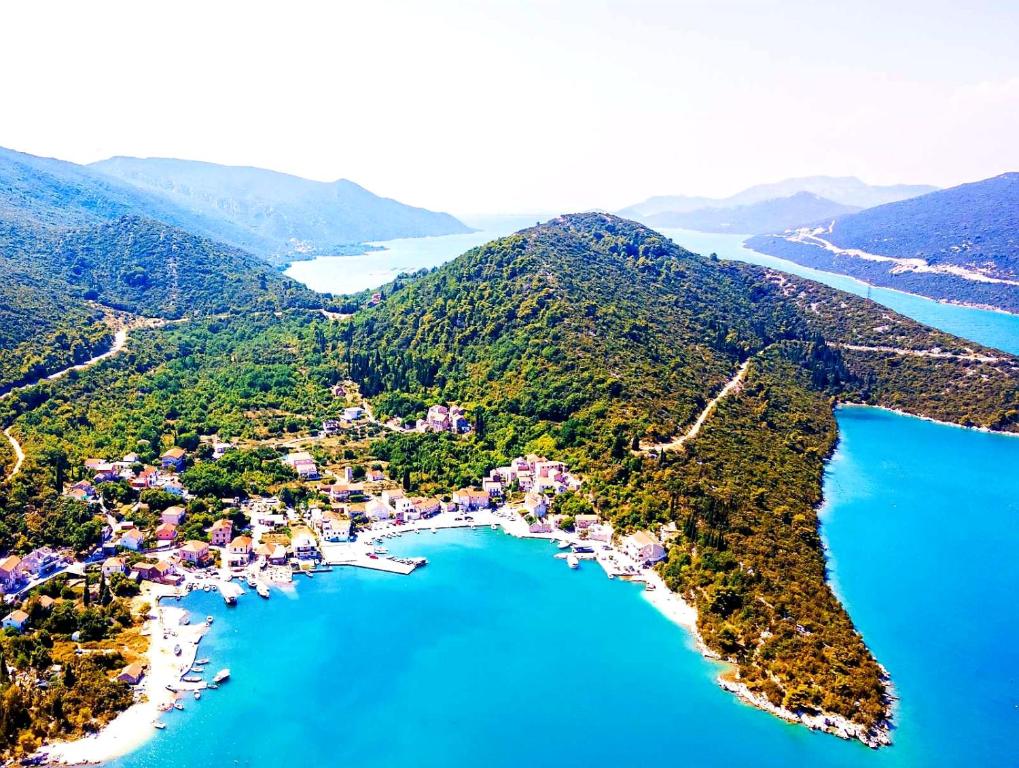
{"x": 677, "y": 443}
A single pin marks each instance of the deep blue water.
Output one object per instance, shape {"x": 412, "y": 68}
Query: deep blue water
{"x": 496, "y": 653}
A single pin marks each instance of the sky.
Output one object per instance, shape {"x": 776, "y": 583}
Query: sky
{"x": 519, "y": 106}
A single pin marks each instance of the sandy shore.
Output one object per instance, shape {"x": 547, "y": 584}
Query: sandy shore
{"x": 133, "y": 727}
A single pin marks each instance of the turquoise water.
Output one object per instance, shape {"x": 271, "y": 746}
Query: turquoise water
{"x": 497, "y": 653}
{"x": 350, "y": 274}
{"x": 994, "y": 329}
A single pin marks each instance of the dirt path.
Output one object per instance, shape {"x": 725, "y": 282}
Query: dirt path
{"x": 677, "y": 443}
{"x": 119, "y": 341}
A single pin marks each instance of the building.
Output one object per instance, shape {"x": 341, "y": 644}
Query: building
{"x": 114, "y": 565}
{"x": 535, "y": 504}
{"x": 376, "y": 509}
{"x": 493, "y": 486}
{"x": 221, "y": 532}
{"x": 335, "y": 527}
{"x": 344, "y": 490}
{"x": 220, "y": 449}
{"x": 469, "y": 499}
{"x": 304, "y": 544}
{"x": 195, "y": 552}
{"x": 174, "y": 515}
{"x": 161, "y": 572}
{"x": 132, "y": 539}
{"x": 16, "y": 620}
{"x": 39, "y": 562}
{"x": 642, "y": 547}
{"x": 303, "y": 464}
{"x": 239, "y": 552}
{"x": 174, "y": 459}
{"x": 273, "y": 554}
{"x": 583, "y": 522}
{"x": 132, "y": 674}
{"x": 10, "y": 573}
{"x": 391, "y": 496}
{"x": 426, "y": 507}
{"x": 166, "y": 532}
{"x": 330, "y": 427}
{"x": 353, "y": 414}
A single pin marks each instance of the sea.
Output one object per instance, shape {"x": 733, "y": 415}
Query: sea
{"x": 496, "y": 653}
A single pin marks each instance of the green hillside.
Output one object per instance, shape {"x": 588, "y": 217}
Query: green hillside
{"x": 586, "y": 335}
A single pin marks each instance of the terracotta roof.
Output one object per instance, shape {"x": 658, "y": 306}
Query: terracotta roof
{"x": 174, "y": 453}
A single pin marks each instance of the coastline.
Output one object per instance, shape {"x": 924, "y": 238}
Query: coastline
{"x": 898, "y": 412}
{"x": 134, "y": 726}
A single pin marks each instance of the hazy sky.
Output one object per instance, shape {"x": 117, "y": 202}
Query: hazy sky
{"x": 518, "y": 106}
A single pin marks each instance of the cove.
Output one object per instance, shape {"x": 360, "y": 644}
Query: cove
{"x": 497, "y": 653}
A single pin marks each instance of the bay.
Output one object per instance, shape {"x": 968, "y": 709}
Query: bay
{"x": 497, "y": 653}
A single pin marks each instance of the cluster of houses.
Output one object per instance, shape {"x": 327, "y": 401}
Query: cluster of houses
{"x": 442, "y": 419}
{"x": 17, "y": 572}
{"x": 351, "y": 415}
{"x": 163, "y": 477}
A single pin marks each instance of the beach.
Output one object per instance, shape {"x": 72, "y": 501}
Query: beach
{"x": 134, "y": 726}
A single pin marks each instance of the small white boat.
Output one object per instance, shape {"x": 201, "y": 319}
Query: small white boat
{"x": 208, "y": 620}
{"x": 212, "y": 686}
{"x": 185, "y": 619}
{"x": 198, "y": 695}
{"x": 207, "y": 588}
{"x": 176, "y": 650}
{"x": 158, "y": 724}
{"x": 222, "y": 675}
{"x": 564, "y": 544}
{"x": 178, "y": 706}
{"x": 251, "y": 582}
{"x": 435, "y": 530}
{"x": 263, "y": 591}
{"x": 573, "y": 561}
{"x": 380, "y": 551}
{"x": 203, "y": 662}
{"x": 495, "y": 527}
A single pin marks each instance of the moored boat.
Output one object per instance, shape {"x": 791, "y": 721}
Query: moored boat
{"x": 158, "y": 724}
{"x": 220, "y": 676}
{"x": 263, "y": 591}
{"x": 564, "y": 544}
{"x": 573, "y": 561}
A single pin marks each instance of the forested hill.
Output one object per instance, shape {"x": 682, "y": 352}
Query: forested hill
{"x": 766, "y": 216}
{"x": 588, "y": 334}
{"x": 55, "y": 284}
{"x": 293, "y": 217}
{"x": 958, "y": 244}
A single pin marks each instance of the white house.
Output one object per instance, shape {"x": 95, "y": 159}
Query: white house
{"x": 535, "y": 504}
{"x": 643, "y": 547}
{"x": 376, "y": 509}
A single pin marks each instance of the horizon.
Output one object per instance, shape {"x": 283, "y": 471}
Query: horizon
{"x": 514, "y": 110}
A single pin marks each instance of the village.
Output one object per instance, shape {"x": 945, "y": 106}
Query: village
{"x": 259, "y": 543}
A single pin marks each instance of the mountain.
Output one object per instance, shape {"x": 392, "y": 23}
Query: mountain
{"x": 766, "y": 216}
{"x": 588, "y": 337}
{"x": 293, "y": 217}
{"x": 59, "y": 287}
{"x": 958, "y": 244}
{"x": 44, "y": 193}
{"x": 842, "y": 190}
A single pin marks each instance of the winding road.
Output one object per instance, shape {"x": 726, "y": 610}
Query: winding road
{"x": 119, "y": 341}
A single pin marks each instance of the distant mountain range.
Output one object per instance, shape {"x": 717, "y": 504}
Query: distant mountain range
{"x": 958, "y": 244}
{"x": 272, "y": 215}
{"x": 286, "y": 215}
{"x": 766, "y": 216}
{"x": 767, "y": 207}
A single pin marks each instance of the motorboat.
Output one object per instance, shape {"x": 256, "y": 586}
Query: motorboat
{"x": 176, "y": 650}
{"x": 198, "y": 695}
{"x": 158, "y": 724}
{"x": 263, "y": 591}
{"x": 209, "y": 620}
{"x": 564, "y": 544}
{"x": 573, "y": 561}
{"x": 220, "y": 676}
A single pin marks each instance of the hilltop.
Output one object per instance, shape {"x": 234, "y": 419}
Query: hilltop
{"x": 959, "y": 244}
{"x": 294, "y": 217}
{"x": 589, "y": 336}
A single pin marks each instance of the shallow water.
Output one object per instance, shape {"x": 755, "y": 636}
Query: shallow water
{"x": 497, "y": 652}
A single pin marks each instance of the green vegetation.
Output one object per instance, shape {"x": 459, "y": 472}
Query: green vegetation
{"x": 583, "y": 336}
